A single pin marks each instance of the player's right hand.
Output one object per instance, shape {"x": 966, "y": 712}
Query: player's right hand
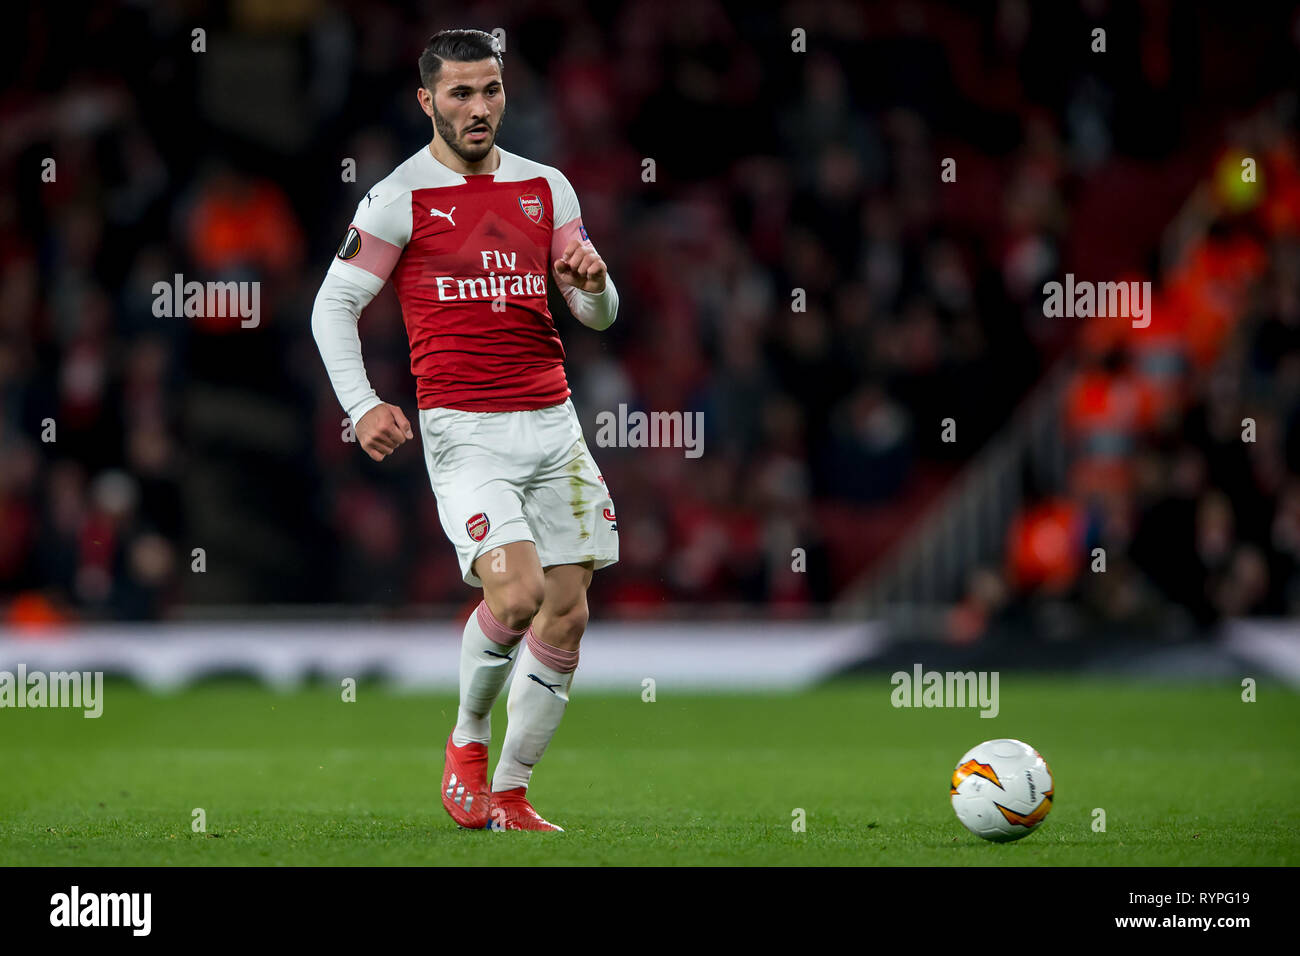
{"x": 382, "y": 429}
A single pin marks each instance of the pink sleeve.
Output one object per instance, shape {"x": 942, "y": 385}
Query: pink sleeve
{"x": 573, "y": 229}
{"x": 374, "y": 255}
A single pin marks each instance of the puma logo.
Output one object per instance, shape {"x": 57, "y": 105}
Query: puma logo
{"x": 444, "y": 215}
{"x": 505, "y": 657}
{"x": 550, "y": 687}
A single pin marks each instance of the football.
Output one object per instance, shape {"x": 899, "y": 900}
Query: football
{"x": 1002, "y": 790}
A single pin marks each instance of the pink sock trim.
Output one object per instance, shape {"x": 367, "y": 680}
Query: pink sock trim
{"x": 493, "y": 629}
{"x": 556, "y": 658}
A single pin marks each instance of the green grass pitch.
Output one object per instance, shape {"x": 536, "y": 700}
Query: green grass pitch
{"x": 1186, "y": 775}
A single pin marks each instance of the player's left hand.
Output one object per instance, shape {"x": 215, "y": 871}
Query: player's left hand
{"x": 581, "y": 267}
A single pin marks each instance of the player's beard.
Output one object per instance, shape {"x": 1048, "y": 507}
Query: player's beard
{"x": 469, "y": 153}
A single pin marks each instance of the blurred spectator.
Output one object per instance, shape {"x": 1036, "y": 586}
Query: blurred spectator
{"x": 796, "y": 269}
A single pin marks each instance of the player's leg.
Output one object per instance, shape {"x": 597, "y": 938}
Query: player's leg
{"x": 539, "y": 691}
{"x": 512, "y": 592}
{"x": 570, "y": 516}
{"x": 512, "y": 581}
{"x": 561, "y": 620}
{"x": 481, "y": 510}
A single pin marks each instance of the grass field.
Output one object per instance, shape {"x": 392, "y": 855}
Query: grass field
{"x": 1187, "y": 776}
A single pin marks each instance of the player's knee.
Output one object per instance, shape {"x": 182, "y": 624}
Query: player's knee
{"x": 568, "y": 627}
{"x": 520, "y": 602}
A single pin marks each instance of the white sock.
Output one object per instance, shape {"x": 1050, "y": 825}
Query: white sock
{"x": 538, "y": 696}
{"x": 485, "y": 664}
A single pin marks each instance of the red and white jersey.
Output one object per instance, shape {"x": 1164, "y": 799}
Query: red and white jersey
{"x": 468, "y": 257}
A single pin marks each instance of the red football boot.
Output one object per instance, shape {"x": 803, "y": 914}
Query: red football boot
{"x": 464, "y": 784}
{"x": 512, "y": 811}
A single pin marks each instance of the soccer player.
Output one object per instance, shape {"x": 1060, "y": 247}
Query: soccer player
{"x": 467, "y": 231}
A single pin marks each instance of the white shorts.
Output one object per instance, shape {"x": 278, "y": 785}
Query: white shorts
{"x": 518, "y": 476}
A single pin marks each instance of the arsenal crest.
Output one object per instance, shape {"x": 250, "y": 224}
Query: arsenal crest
{"x": 477, "y": 526}
{"x": 532, "y": 207}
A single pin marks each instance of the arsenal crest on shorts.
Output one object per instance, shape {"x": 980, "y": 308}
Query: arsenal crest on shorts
{"x": 532, "y": 207}
{"x": 477, "y": 526}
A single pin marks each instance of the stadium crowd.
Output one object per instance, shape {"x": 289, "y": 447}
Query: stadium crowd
{"x": 150, "y": 465}
{"x": 1185, "y": 435}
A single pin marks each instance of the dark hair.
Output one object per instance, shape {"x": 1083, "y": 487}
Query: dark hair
{"x": 461, "y": 46}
